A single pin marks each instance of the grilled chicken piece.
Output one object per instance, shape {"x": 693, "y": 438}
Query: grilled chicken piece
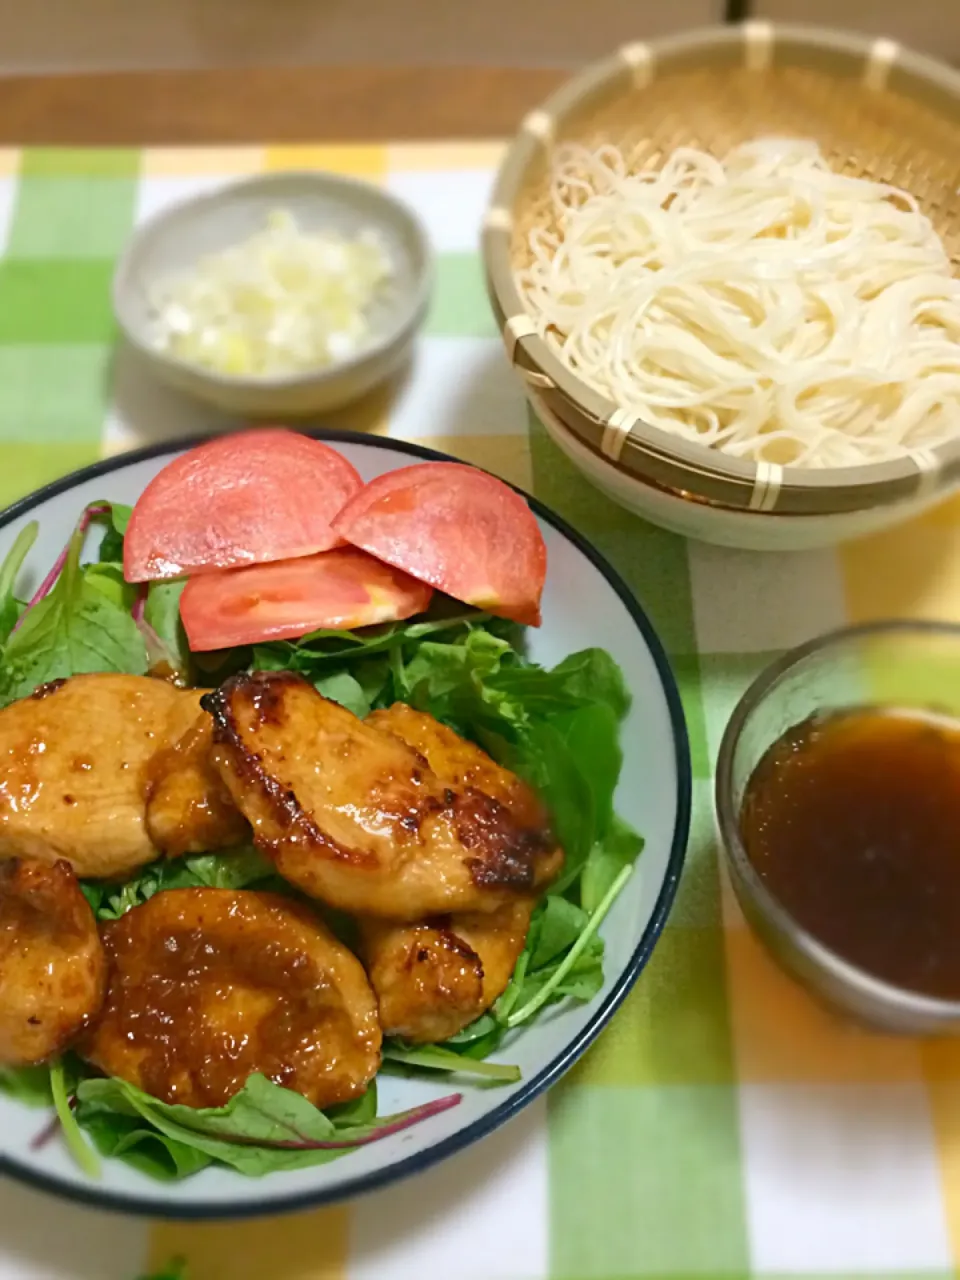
{"x": 355, "y": 817}
{"x": 433, "y": 979}
{"x": 74, "y": 765}
{"x": 52, "y": 966}
{"x": 460, "y": 763}
{"x": 210, "y": 986}
{"x": 189, "y": 810}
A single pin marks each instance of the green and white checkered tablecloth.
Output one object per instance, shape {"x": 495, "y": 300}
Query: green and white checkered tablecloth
{"x": 723, "y": 1128}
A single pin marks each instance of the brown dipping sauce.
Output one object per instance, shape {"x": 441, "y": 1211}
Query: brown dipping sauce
{"x": 853, "y": 822}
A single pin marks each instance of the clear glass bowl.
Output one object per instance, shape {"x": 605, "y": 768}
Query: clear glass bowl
{"x": 910, "y": 665}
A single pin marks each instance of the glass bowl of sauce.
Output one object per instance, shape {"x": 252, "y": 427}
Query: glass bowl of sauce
{"x": 838, "y": 803}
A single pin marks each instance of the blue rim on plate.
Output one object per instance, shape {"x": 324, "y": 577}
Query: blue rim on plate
{"x": 551, "y": 1073}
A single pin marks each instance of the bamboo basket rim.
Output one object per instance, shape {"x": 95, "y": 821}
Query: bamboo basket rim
{"x": 639, "y": 448}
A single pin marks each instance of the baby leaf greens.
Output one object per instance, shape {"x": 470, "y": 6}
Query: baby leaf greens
{"x": 262, "y": 1129}
{"x": 77, "y": 621}
{"x": 158, "y": 615}
{"x": 30, "y": 1085}
{"x": 234, "y": 869}
{"x": 362, "y": 670}
{"x": 10, "y": 607}
{"x": 111, "y": 544}
{"x": 434, "y": 1057}
{"x": 72, "y": 1134}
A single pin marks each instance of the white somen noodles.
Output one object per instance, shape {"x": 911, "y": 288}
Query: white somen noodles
{"x": 763, "y": 305}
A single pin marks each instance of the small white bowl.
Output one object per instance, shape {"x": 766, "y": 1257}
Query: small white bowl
{"x": 691, "y": 517}
{"x": 177, "y": 237}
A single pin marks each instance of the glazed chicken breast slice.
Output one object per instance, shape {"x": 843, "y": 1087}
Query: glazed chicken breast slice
{"x": 74, "y": 767}
{"x": 189, "y": 810}
{"x": 52, "y": 966}
{"x": 357, "y": 818}
{"x": 434, "y": 978}
{"x": 457, "y": 762}
{"x": 210, "y": 986}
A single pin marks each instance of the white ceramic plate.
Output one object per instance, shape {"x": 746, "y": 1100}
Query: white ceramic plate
{"x": 585, "y": 603}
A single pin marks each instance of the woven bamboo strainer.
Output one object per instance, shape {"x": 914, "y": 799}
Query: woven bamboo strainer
{"x": 876, "y": 111}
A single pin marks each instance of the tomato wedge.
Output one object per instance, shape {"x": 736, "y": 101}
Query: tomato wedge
{"x": 336, "y": 590}
{"x": 460, "y": 529}
{"x": 267, "y": 494}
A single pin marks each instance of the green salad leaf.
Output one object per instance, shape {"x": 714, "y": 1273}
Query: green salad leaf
{"x": 111, "y": 544}
{"x": 10, "y": 607}
{"x": 81, "y": 1151}
{"x": 80, "y": 625}
{"x": 620, "y": 847}
{"x": 262, "y": 1129}
{"x": 240, "y": 868}
{"x": 365, "y": 669}
{"x": 155, "y": 606}
{"x": 161, "y": 613}
{"x": 33, "y": 1086}
{"x": 108, "y": 578}
{"x": 577, "y": 972}
{"x": 434, "y": 1057}
{"x": 30, "y": 1085}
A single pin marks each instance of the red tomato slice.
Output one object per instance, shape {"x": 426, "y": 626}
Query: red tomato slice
{"x": 261, "y": 495}
{"x": 336, "y": 590}
{"x": 460, "y": 529}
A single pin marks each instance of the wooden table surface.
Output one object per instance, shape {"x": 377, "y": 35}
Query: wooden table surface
{"x": 279, "y": 104}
